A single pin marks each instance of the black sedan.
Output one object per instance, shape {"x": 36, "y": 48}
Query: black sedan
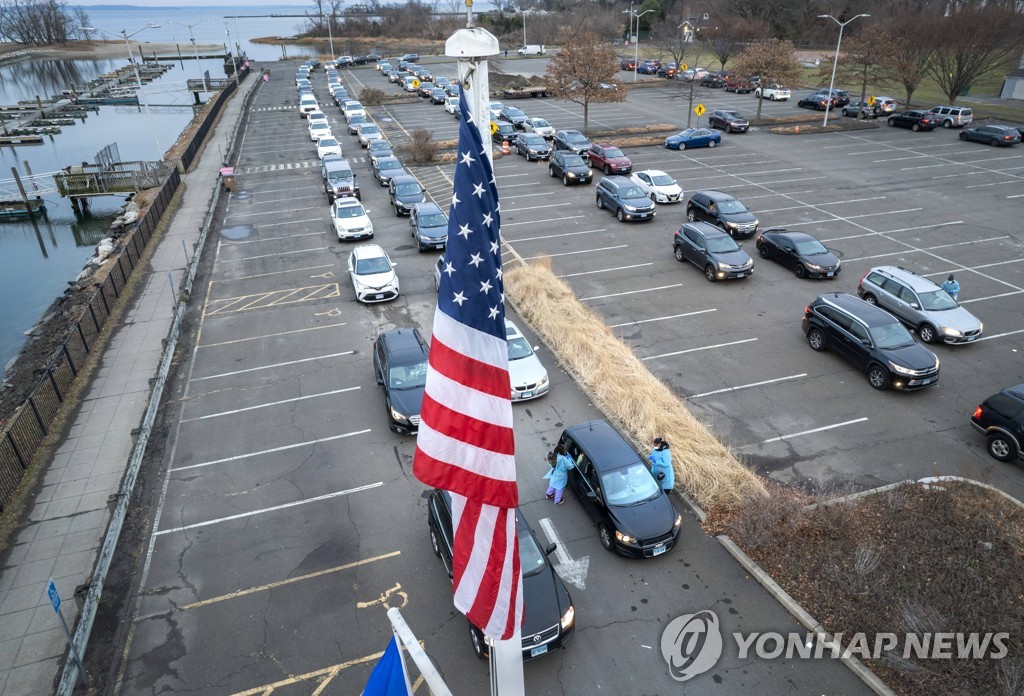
{"x": 713, "y": 80}
{"x": 549, "y": 618}
{"x": 992, "y": 135}
{"x": 532, "y": 146}
{"x": 400, "y": 366}
{"x": 799, "y": 252}
{"x": 914, "y": 120}
{"x": 729, "y": 121}
{"x": 814, "y": 101}
{"x": 571, "y": 167}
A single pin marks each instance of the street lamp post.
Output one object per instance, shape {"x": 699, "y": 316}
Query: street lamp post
{"x": 636, "y": 40}
{"x": 330, "y": 35}
{"x": 192, "y": 38}
{"x": 835, "y": 62}
{"x": 523, "y": 13}
{"x": 234, "y": 58}
{"x": 138, "y": 77}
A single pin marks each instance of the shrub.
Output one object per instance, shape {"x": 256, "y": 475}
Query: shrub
{"x": 421, "y": 148}
{"x": 372, "y": 96}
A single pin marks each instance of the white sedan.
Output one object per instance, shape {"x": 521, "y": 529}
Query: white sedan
{"x": 351, "y": 108}
{"x": 350, "y": 219}
{"x": 450, "y": 103}
{"x": 539, "y": 126}
{"x": 529, "y": 378}
{"x": 659, "y": 186}
{"x": 319, "y": 129}
{"x": 372, "y": 273}
{"x": 327, "y": 146}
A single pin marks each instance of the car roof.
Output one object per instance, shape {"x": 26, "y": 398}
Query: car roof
{"x": 427, "y": 208}
{"x": 570, "y": 131}
{"x": 369, "y": 251}
{"x": 336, "y": 164}
{"x": 914, "y": 280}
{"x": 346, "y": 202}
{"x": 715, "y": 195}
{"x": 795, "y": 235}
{"x": 652, "y": 172}
{"x": 1017, "y": 391}
{"x": 382, "y": 160}
{"x": 404, "y": 178}
{"x": 511, "y": 330}
{"x": 706, "y": 229}
{"x": 605, "y": 448}
{"x": 619, "y": 181}
{"x": 867, "y": 313}
{"x": 403, "y": 344}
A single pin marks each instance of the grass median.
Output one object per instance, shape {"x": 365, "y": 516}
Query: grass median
{"x": 624, "y": 389}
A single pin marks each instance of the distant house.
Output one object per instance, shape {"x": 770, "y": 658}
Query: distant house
{"x": 1013, "y": 85}
{"x": 692, "y": 26}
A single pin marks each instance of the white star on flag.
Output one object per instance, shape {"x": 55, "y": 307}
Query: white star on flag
{"x": 494, "y": 247}
{"x": 485, "y": 285}
{"x": 493, "y": 313}
{"x": 467, "y": 159}
{"x": 488, "y": 219}
{"x": 464, "y": 231}
{"x": 459, "y": 298}
{"x": 475, "y": 260}
{"x": 455, "y": 200}
{"x": 478, "y": 190}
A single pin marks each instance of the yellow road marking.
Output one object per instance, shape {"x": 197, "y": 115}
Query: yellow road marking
{"x": 273, "y": 298}
{"x": 300, "y": 578}
{"x": 384, "y": 597}
{"x": 273, "y": 335}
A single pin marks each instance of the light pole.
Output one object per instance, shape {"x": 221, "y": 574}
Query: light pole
{"x": 234, "y": 58}
{"x": 636, "y": 41}
{"x": 832, "y": 82}
{"x": 138, "y": 78}
{"x": 523, "y": 13}
{"x": 192, "y": 38}
{"x": 330, "y": 35}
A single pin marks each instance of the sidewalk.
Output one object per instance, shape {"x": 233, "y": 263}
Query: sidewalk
{"x": 65, "y": 524}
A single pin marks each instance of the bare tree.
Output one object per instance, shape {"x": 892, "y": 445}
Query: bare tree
{"x": 728, "y": 35}
{"x": 668, "y": 37}
{"x": 861, "y": 62}
{"x": 971, "y": 42}
{"x": 36, "y": 22}
{"x": 907, "y": 59}
{"x": 585, "y": 72}
{"x": 772, "y": 61}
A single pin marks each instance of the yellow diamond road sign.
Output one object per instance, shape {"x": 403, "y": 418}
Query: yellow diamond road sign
{"x": 699, "y": 109}
{"x": 684, "y": 66}
{"x": 871, "y": 101}
{"x": 494, "y": 127}
{"x": 416, "y": 84}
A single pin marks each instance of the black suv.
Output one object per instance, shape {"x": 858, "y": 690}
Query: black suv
{"x": 625, "y": 198}
{"x": 634, "y": 516}
{"x": 1001, "y": 418}
{"x": 571, "y": 140}
{"x": 872, "y": 339}
{"x": 549, "y": 618}
{"x": 723, "y": 210}
{"x": 709, "y": 248}
{"x": 400, "y": 366}
{"x": 570, "y": 166}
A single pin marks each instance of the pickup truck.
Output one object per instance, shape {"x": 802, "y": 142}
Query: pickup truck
{"x": 772, "y": 93}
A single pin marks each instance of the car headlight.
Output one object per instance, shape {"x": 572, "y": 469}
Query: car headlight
{"x": 542, "y": 381}
{"x": 568, "y": 617}
{"x": 630, "y": 208}
{"x": 679, "y": 520}
{"x": 902, "y": 370}
{"x": 571, "y": 175}
{"x": 624, "y": 538}
{"x": 814, "y": 267}
{"x": 950, "y": 331}
{"x": 398, "y": 416}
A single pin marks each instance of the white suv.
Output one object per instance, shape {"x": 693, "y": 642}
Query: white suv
{"x": 773, "y": 93}
{"x": 953, "y": 116}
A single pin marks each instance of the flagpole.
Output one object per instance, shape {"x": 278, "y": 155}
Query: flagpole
{"x": 471, "y": 46}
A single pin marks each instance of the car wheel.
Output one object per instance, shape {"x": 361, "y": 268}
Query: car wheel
{"x": 679, "y": 253}
{"x": 619, "y": 215}
{"x": 434, "y": 544}
{"x": 816, "y": 339}
{"x": 653, "y": 197}
{"x": 963, "y": 136}
{"x": 712, "y": 143}
{"x": 600, "y": 203}
{"x": 947, "y": 123}
{"x": 478, "y": 643}
{"x": 682, "y": 146}
{"x": 691, "y": 215}
{"x": 927, "y": 333}
{"x": 870, "y": 299}
{"x": 993, "y": 142}
{"x": 915, "y": 128}
{"x": 800, "y": 271}
{"x": 763, "y": 251}
{"x": 1002, "y": 447}
{"x": 709, "y": 272}
{"x": 878, "y": 377}
{"x": 607, "y": 170}
{"x": 891, "y": 122}
{"x": 606, "y": 537}
{"x": 551, "y": 172}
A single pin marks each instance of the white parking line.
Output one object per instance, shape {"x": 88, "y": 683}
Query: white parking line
{"x": 259, "y": 453}
{"x": 694, "y": 350}
{"x": 1000, "y": 335}
{"x": 552, "y": 236}
{"x": 946, "y": 163}
{"x": 236, "y": 242}
{"x": 997, "y": 183}
{"x": 671, "y": 316}
{"x": 749, "y": 386}
{"x": 1019, "y": 195}
{"x": 523, "y": 209}
{"x": 902, "y": 229}
{"x": 991, "y": 297}
{"x": 536, "y": 222}
{"x": 570, "y": 253}
{"x": 268, "y": 405}
{"x": 528, "y": 195}
{"x": 270, "y": 256}
{"x": 285, "y": 506}
{"x": 969, "y": 268}
{"x": 268, "y": 367}
{"x": 606, "y": 270}
{"x": 631, "y": 292}
{"x": 272, "y": 335}
{"x": 798, "y": 207}
{"x": 924, "y": 251}
{"x": 290, "y": 222}
{"x": 814, "y": 430}
{"x": 774, "y": 171}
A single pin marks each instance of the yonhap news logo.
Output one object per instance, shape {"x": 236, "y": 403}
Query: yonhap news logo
{"x": 692, "y": 644}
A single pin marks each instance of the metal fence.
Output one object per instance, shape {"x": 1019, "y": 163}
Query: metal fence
{"x": 211, "y": 116}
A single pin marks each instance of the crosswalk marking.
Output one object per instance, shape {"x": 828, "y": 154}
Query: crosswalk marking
{"x": 308, "y": 164}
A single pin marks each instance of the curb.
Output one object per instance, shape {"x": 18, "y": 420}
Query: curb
{"x": 869, "y": 678}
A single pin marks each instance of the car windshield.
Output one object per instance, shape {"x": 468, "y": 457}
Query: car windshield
{"x": 533, "y": 139}
{"x": 891, "y": 336}
{"x": 408, "y": 189}
{"x": 389, "y": 164}
{"x": 349, "y": 211}
{"x": 811, "y": 247}
{"x": 328, "y": 142}
{"x": 497, "y": 106}
{"x": 575, "y": 138}
{"x": 408, "y": 376}
{"x": 374, "y": 264}
{"x": 937, "y": 300}
{"x": 434, "y": 220}
{"x": 662, "y": 180}
{"x": 629, "y": 485}
{"x": 519, "y": 348}
{"x": 340, "y": 175}
{"x": 369, "y": 130}
{"x": 356, "y": 119}
{"x": 722, "y": 245}
{"x": 379, "y": 145}
{"x": 540, "y": 123}
{"x": 686, "y": 133}
{"x": 531, "y": 558}
{"x": 632, "y": 192}
{"x": 733, "y": 115}
{"x": 573, "y": 161}
{"x": 732, "y": 206}
{"x": 613, "y": 152}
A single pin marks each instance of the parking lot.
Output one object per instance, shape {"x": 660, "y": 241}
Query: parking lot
{"x": 290, "y": 518}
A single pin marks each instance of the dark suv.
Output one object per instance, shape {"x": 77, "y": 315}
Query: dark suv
{"x": 872, "y": 339}
{"x": 610, "y": 159}
{"x": 723, "y": 210}
{"x": 400, "y": 366}
{"x": 571, "y": 140}
{"x": 549, "y": 618}
{"x": 709, "y": 248}
{"x": 570, "y": 167}
{"x": 626, "y": 199}
{"x": 1001, "y": 418}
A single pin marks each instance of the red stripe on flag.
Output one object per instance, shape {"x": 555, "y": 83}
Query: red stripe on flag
{"x": 469, "y": 371}
{"x": 490, "y": 583}
{"x": 510, "y": 625}
{"x": 465, "y": 428}
{"x": 446, "y": 476}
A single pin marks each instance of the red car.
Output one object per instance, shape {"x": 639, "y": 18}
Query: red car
{"x": 609, "y": 159}
{"x": 738, "y": 85}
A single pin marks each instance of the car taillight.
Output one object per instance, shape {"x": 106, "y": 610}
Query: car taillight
{"x": 807, "y": 309}
{"x": 863, "y": 277}
{"x": 977, "y": 412}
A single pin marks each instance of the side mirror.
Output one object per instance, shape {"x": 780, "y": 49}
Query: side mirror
{"x": 915, "y": 305}
{"x": 393, "y": 264}
{"x": 550, "y": 549}
{"x": 412, "y": 223}
{"x": 591, "y": 496}
{"x": 380, "y": 380}
{"x": 536, "y": 347}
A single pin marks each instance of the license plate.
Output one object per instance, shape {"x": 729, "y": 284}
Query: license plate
{"x": 972, "y": 338}
{"x": 928, "y": 381}
{"x": 526, "y": 395}
{"x": 539, "y": 650}
{"x": 378, "y": 296}
{"x": 658, "y": 551}
{"x": 830, "y": 274}
{"x": 741, "y": 275}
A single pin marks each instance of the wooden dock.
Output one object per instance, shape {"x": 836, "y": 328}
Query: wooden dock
{"x": 21, "y": 140}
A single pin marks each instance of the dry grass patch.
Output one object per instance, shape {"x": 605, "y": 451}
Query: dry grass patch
{"x": 623, "y": 388}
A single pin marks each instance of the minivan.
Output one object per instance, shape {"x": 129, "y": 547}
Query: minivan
{"x": 953, "y": 116}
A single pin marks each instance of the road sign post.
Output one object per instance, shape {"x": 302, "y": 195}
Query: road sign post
{"x": 699, "y": 110}
{"x": 54, "y": 595}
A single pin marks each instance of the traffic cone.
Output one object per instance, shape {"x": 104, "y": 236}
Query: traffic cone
{"x": 504, "y": 147}
{"x": 797, "y": 130}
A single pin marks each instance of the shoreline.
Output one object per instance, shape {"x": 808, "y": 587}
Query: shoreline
{"x": 100, "y": 50}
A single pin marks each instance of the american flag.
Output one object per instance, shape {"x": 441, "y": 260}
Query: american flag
{"x": 466, "y": 444}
